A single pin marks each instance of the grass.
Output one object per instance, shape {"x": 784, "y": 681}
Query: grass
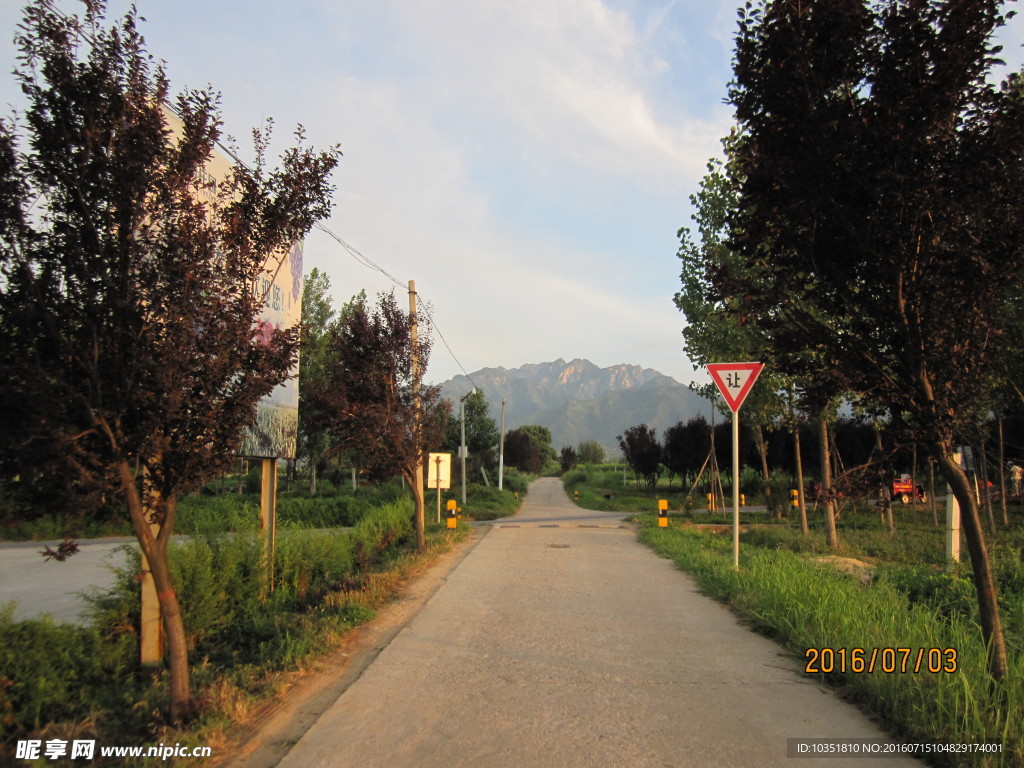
{"x": 65, "y": 681}
{"x": 784, "y": 590}
{"x": 806, "y": 604}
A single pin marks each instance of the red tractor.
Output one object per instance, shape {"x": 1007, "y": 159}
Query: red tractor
{"x": 905, "y": 490}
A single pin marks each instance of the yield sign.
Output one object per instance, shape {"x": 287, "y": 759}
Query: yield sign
{"x": 734, "y": 380}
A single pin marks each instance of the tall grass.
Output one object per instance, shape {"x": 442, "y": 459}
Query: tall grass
{"x": 806, "y": 604}
{"x": 63, "y": 679}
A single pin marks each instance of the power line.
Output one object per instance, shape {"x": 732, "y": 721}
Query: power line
{"x": 358, "y": 255}
{"x": 433, "y": 325}
{"x": 369, "y": 263}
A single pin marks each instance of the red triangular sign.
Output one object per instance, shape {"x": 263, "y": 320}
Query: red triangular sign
{"x": 734, "y": 381}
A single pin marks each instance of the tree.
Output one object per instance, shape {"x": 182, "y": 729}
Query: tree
{"x": 880, "y": 213}
{"x": 685, "y": 447}
{"x": 642, "y": 451}
{"x": 569, "y": 458}
{"x": 481, "y": 432}
{"x": 318, "y": 316}
{"x": 372, "y": 400}
{"x": 541, "y": 437}
{"x": 590, "y": 452}
{"x": 522, "y": 453}
{"x": 130, "y": 358}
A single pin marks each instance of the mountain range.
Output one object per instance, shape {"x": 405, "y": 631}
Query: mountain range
{"x": 579, "y": 401}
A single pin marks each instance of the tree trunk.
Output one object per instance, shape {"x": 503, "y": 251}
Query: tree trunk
{"x": 413, "y": 476}
{"x": 762, "y": 451}
{"x": 831, "y": 536}
{"x": 885, "y": 498}
{"x": 931, "y": 491}
{"x": 988, "y": 493}
{"x": 1002, "y": 473}
{"x": 155, "y": 549}
{"x": 802, "y": 501}
{"x": 984, "y": 583}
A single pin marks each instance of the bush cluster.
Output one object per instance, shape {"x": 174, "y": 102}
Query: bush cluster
{"x": 64, "y": 673}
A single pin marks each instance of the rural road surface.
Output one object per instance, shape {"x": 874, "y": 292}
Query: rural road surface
{"x": 561, "y": 641}
{"x": 39, "y": 586}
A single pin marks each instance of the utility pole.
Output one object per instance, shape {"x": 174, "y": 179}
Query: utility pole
{"x": 417, "y": 485}
{"x": 462, "y": 446}
{"x": 501, "y": 449}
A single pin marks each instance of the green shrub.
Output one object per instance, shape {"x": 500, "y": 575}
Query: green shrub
{"x": 516, "y": 481}
{"x": 210, "y": 515}
{"x": 488, "y": 503}
{"x": 380, "y": 532}
{"x": 54, "y": 672}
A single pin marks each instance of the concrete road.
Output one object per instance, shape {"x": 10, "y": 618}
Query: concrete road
{"x": 39, "y": 586}
{"x": 561, "y": 641}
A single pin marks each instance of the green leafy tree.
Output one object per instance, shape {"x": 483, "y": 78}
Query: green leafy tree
{"x": 642, "y": 452}
{"x": 716, "y": 330}
{"x": 372, "y": 399}
{"x": 131, "y": 359}
{"x": 541, "y": 437}
{"x": 685, "y": 447}
{"x": 522, "y": 453}
{"x": 318, "y": 319}
{"x": 590, "y": 452}
{"x": 880, "y": 214}
{"x": 568, "y": 458}
{"x": 481, "y": 433}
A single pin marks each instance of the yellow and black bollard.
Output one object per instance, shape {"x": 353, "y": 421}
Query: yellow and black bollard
{"x": 452, "y": 520}
{"x": 794, "y": 496}
{"x": 743, "y": 499}
{"x": 576, "y": 496}
{"x": 663, "y": 513}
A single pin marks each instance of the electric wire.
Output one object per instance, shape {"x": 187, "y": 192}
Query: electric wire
{"x": 369, "y": 263}
{"x": 354, "y": 252}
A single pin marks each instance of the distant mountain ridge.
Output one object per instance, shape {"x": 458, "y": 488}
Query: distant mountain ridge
{"x": 579, "y": 401}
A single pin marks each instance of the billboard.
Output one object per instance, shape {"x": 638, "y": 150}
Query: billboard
{"x": 274, "y": 433}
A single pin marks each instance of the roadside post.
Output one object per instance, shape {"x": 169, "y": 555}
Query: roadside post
{"x": 452, "y": 520}
{"x": 439, "y": 476}
{"x": 663, "y": 513}
{"x": 734, "y": 381}
{"x": 953, "y": 520}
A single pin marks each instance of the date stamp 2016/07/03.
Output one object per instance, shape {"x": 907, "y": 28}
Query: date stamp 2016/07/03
{"x": 888, "y": 660}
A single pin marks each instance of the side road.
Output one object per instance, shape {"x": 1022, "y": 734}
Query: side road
{"x": 560, "y": 640}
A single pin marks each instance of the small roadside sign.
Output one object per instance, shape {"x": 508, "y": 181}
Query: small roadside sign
{"x": 439, "y": 471}
{"x": 734, "y": 381}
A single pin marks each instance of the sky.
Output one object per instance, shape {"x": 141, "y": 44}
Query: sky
{"x": 528, "y": 164}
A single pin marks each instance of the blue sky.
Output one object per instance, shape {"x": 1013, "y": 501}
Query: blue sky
{"x": 528, "y": 164}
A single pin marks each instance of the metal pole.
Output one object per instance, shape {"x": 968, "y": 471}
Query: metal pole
{"x": 462, "y": 447}
{"x": 501, "y": 450}
{"x": 736, "y": 489}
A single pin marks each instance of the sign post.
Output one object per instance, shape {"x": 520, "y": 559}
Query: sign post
{"x": 439, "y": 475}
{"x": 734, "y": 381}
